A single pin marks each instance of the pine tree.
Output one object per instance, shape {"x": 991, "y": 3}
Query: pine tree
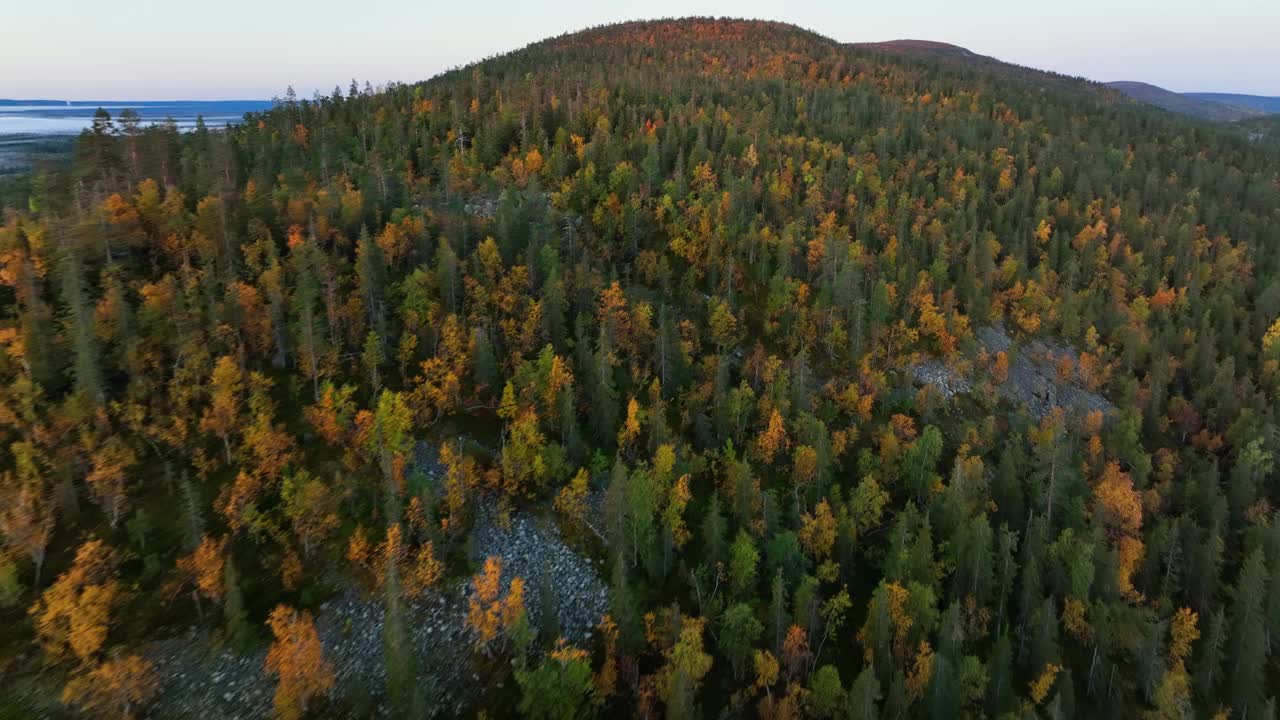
{"x": 235, "y": 618}
{"x": 1211, "y": 655}
{"x": 864, "y": 696}
{"x": 371, "y": 270}
{"x": 78, "y": 321}
{"x": 403, "y": 687}
{"x": 1248, "y": 655}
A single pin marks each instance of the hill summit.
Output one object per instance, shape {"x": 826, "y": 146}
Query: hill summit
{"x": 920, "y": 47}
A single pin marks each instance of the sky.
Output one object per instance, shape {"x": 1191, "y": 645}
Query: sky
{"x": 255, "y": 49}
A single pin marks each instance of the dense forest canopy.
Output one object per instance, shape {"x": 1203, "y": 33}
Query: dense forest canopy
{"x": 672, "y": 287}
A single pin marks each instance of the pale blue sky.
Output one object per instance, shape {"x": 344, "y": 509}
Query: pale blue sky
{"x": 219, "y": 49}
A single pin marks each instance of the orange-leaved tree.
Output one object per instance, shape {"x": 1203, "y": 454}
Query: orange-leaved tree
{"x": 489, "y": 614}
{"x": 118, "y": 688}
{"x": 202, "y": 570}
{"x": 72, "y": 617}
{"x": 297, "y": 658}
{"x": 112, "y": 461}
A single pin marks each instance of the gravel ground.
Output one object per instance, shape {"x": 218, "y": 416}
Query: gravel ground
{"x": 200, "y": 680}
{"x": 1033, "y": 377}
{"x": 1032, "y": 381}
{"x": 532, "y": 548}
{"x": 426, "y": 460}
{"x": 351, "y": 629}
{"x": 947, "y": 381}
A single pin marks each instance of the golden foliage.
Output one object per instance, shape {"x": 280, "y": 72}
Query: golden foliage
{"x": 26, "y": 518}
{"x": 426, "y": 571}
{"x": 1116, "y": 502}
{"x": 71, "y": 618}
{"x": 297, "y": 658}
{"x": 1041, "y": 686}
{"x": 1076, "y": 622}
{"x": 204, "y": 567}
{"x": 1129, "y": 551}
{"x": 222, "y": 417}
{"x": 804, "y": 465}
{"x": 112, "y": 462}
{"x": 1000, "y": 367}
{"x": 673, "y": 514}
{"x": 120, "y": 688}
{"x": 331, "y": 417}
{"x": 571, "y": 501}
{"x": 1182, "y": 634}
{"x": 818, "y": 530}
{"x": 631, "y": 426}
{"x": 921, "y": 672}
{"x": 489, "y": 614}
{"x": 359, "y": 551}
{"x": 773, "y": 439}
{"x": 607, "y": 678}
{"x": 897, "y": 597}
{"x": 766, "y": 669}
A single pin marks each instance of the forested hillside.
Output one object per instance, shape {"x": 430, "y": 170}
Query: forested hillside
{"x": 869, "y": 385}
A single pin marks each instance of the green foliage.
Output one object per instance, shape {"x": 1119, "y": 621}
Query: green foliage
{"x": 826, "y": 694}
{"x": 743, "y": 560}
{"x": 559, "y": 688}
{"x": 10, "y": 585}
{"x": 739, "y": 630}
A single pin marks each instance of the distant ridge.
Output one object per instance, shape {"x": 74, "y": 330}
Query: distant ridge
{"x": 10, "y": 102}
{"x": 1198, "y": 107}
{"x": 1258, "y": 102}
{"x": 1214, "y": 107}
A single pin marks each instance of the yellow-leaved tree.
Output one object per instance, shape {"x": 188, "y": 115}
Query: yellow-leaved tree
{"x": 297, "y": 659}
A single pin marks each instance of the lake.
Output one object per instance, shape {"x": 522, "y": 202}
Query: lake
{"x": 61, "y": 117}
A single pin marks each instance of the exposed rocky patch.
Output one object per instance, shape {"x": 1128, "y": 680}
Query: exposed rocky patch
{"x": 1033, "y": 376}
{"x": 426, "y": 458}
{"x": 426, "y": 461}
{"x": 533, "y": 549}
{"x": 200, "y": 679}
{"x": 942, "y": 378}
{"x": 483, "y": 208}
{"x": 350, "y": 627}
{"x": 1033, "y": 379}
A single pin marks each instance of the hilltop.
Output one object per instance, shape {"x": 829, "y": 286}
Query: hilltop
{"x": 920, "y": 47}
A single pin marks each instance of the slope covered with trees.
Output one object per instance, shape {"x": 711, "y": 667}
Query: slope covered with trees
{"x": 671, "y": 279}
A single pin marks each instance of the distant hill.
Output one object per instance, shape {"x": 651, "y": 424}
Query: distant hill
{"x": 1197, "y": 106}
{"x": 966, "y": 60}
{"x": 7, "y": 102}
{"x": 1214, "y": 107}
{"x": 1257, "y": 102}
